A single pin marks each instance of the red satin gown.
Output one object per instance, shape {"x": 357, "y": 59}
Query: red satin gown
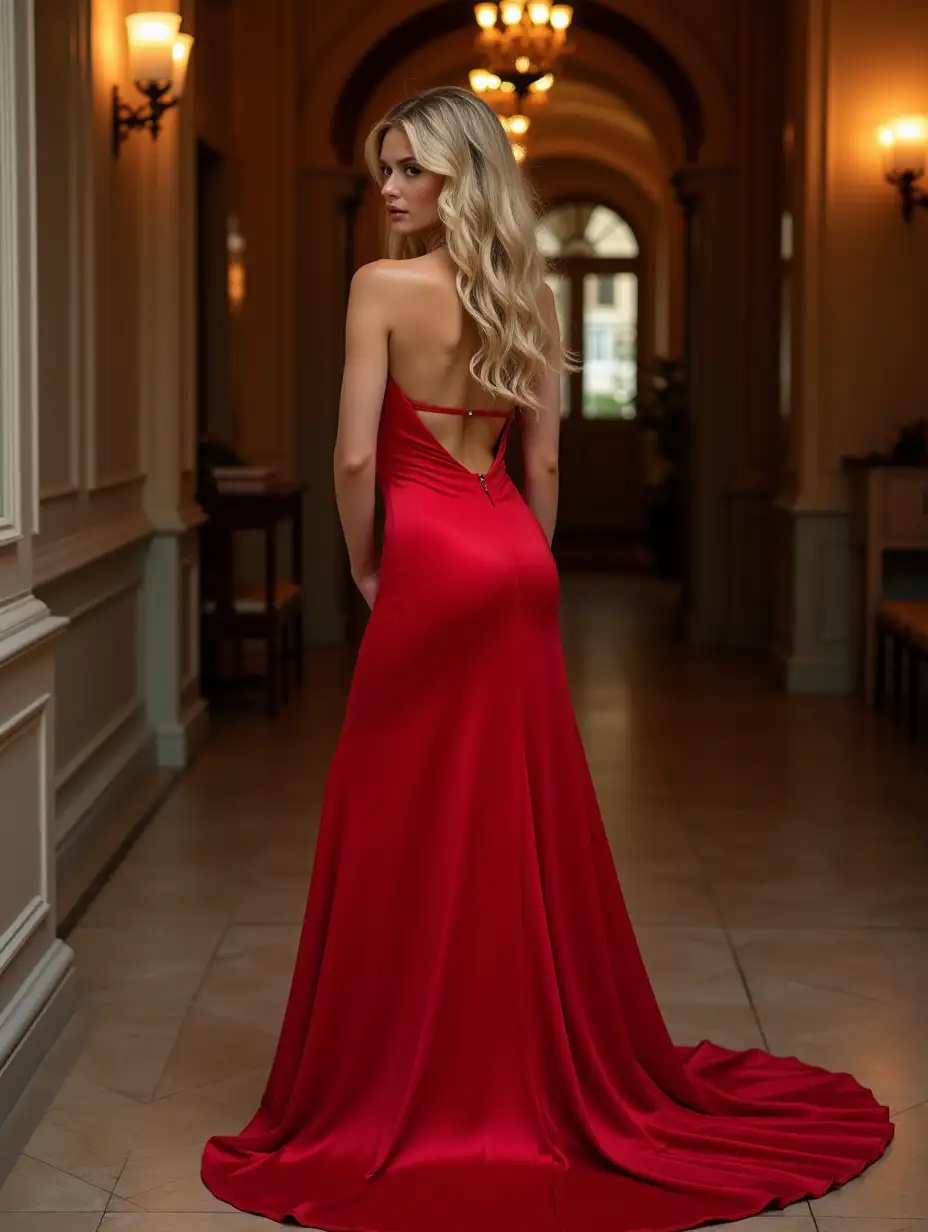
{"x": 471, "y": 1042}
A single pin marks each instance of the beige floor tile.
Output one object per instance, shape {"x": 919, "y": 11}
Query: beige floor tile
{"x": 730, "y": 1026}
{"x": 167, "y": 958}
{"x": 149, "y": 1171}
{"x": 173, "y": 1222}
{"x": 181, "y": 1120}
{"x": 249, "y": 980}
{"x": 872, "y": 1225}
{"x": 211, "y": 1049}
{"x": 97, "y": 1162}
{"x": 896, "y": 1187}
{"x": 883, "y": 1046}
{"x": 691, "y": 966}
{"x": 36, "y": 1186}
{"x": 272, "y": 897}
{"x": 50, "y": 1221}
{"x": 241, "y": 1095}
{"x": 130, "y": 1059}
{"x": 888, "y": 965}
{"x": 666, "y": 892}
{"x": 188, "y": 1194}
{"x": 787, "y": 1223}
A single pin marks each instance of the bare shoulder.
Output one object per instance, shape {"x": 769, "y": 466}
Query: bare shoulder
{"x": 371, "y": 278}
{"x": 387, "y": 279}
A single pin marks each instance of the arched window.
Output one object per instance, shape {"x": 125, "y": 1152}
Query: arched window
{"x": 595, "y": 258}
{"x": 585, "y": 231}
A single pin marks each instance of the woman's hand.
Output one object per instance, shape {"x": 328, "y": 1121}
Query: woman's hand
{"x": 368, "y": 585}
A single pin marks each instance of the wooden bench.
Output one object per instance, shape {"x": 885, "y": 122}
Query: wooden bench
{"x": 901, "y": 633}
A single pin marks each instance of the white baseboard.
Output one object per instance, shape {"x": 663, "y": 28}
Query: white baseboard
{"x": 44, "y": 1053}
{"x": 813, "y": 677}
{"x": 176, "y": 744}
{"x": 97, "y": 841}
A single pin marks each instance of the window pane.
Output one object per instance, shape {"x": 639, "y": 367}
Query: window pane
{"x": 561, "y": 288}
{"x": 610, "y": 346}
{"x": 585, "y": 230}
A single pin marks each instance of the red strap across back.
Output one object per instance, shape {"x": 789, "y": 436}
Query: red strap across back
{"x": 451, "y": 410}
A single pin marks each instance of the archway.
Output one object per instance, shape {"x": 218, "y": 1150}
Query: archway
{"x": 600, "y": 275}
{"x": 637, "y": 55}
{"x": 428, "y": 25}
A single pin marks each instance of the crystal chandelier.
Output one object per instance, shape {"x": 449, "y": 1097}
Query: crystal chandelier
{"x": 520, "y": 44}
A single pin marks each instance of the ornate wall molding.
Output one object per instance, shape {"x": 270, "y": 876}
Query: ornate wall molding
{"x": 16, "y": 271}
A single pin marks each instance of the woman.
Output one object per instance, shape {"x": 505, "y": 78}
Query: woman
{"x": 471, "y": 1042}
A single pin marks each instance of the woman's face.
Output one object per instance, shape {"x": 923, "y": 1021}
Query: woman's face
{"x": 410, "y": 192}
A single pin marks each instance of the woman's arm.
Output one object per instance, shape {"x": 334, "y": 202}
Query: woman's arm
{"x": 541, "y": 433}
{"x": 363, "y": 382}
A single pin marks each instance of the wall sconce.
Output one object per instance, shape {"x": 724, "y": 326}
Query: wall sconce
{"x": 905, "y": 144}
{"x": 158, "y": 59}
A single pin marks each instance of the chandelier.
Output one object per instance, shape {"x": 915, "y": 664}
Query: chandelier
{"x": 520, "y": 44}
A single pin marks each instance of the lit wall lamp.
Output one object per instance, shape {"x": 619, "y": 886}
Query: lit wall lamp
{"x": 905, "y": 144}
{"x": 158, "y": 59}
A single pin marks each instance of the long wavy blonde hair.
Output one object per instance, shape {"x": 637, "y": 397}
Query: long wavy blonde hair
{"x": 489, "y": 214}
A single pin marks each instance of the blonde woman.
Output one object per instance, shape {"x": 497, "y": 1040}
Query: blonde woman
{"x": 471, "y": 1043}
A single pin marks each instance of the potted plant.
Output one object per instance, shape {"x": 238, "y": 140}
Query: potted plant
{"x": 662, "y": 412}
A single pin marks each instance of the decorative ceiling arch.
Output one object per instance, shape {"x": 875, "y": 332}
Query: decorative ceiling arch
{"x": 605, "y": 86}
{"x": 452, "y": 16}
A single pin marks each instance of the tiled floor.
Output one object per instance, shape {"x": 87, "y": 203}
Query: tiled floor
{"x": 774, "y": 853}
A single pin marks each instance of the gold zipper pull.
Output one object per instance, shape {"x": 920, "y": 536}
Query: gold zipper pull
{"x": 483, "y": 484}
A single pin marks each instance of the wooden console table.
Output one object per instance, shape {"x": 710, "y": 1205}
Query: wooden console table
{"x": 269, "y": 610}
{"x": 889, "y": 513}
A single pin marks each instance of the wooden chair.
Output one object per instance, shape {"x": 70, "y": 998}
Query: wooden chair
{"x": 901, "y": 633}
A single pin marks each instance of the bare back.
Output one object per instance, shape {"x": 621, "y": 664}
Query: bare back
{"x": 432, "y": 340}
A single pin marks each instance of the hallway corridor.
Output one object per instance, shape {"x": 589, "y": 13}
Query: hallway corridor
{"x": 773, "y": 851}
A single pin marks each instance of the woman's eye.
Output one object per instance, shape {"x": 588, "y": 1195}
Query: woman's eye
{"x": 412, "y": 170}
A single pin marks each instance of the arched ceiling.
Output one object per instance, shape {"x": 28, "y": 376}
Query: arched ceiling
{"x": 585, "y": 121}
{"x": 597, "y": 20}
{"x": 605, "y": 105}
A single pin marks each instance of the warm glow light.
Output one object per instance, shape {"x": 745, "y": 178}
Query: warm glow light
{"x": 486, "y": 15}
{"x": 517, "y": 125}
{"x": 511, "y": 14}
{"x": 151, "y": 45}
{"x": 481, "y": 80}
{"x": 543, "y": 83}
{"x": 518, "y": 151}
{"x": 235, "y": 269}
{"x": 507, "y": 87}
{"x": 523, "y": 64}
{"x": 539, "y": 14}
{"x": 905, "y": 144}
{"x": 183, "y": 45}
{"x": 561, "y": 16}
